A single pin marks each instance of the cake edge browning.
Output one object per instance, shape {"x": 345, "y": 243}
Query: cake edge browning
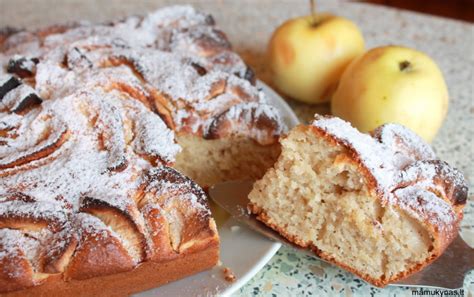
{"x": 442, "y": 237}
{"x": 263, "y": 217}
{"x": 102, "y": 260}
{"x": 241, "y": 89}
{"x": 146, "y": 276}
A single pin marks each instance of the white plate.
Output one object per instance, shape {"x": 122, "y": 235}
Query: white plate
{"x": 242, "y": 250}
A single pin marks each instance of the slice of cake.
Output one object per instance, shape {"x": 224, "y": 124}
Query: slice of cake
{"x": 380, "y": 206}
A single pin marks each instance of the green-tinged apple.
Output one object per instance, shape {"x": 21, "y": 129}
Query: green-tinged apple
{"x": 392, "y": 84}
{"x": 307, "y": 55}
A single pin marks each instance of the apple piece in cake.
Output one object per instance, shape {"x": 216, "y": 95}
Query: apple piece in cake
{"x": 380, "y": 206}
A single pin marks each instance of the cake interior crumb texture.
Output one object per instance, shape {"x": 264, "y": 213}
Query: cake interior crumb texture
{"x": 209, "y": 162}
{"x": 318, "y": 198}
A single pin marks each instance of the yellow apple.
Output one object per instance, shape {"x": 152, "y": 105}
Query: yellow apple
{"x": 307, "y": 55}
{"x": 392, "y": 84}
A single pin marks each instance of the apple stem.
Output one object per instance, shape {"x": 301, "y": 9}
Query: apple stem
{"x": 312, "y": 6}
{"x": 404, "y": 65}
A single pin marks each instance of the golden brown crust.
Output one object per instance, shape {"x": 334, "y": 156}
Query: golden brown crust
{"x": 184, "y": 43}
{"x": 88, "y": 165}
{"x": 450, "y": 187}
{"x": 125, "y": 222}
{"x": 16, "y": 264}
{"x": 414, "y": 185}
{"x": 96, "y": 250}
{"x": 444, "y": 182}
{"x": 246, "y": 119}
{"x": 104, "y": 239}
{"x": 144, "y": 277}
{"x": 263, "y": 217}
{"x": 39, "y": 154}
{"x": 16, "y": 214}
{"x": 60, "y": 250}
{"x": 98, "y": 256}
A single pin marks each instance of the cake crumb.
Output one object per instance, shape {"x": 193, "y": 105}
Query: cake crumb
{"x": 229, "y": 275}
{"x": 234, "y": 228}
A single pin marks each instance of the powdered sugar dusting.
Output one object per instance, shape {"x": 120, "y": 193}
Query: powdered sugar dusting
{"x": 150, "y": 134}
{"x": 376, "y": 157}
{"x": 93, "y": 226}
{"x": 93, "y": 134}
{"x": 12, "y": 99}
{"x": 176, "y": 51}
{"x": 425, "y": 205}
{"x": 14, "y": 244}
{"x": 406, "y": 170}
{"x": 23, "y": 249}
{"x": 264, "y": 116}
{"x": 9, "y": 240}
{"x": 405, "y": 141}
{"x": 80, "y": 165}
{"x": 167, "y": 181}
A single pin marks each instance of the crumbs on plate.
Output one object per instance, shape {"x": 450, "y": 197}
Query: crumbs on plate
{"x": 229, "y": 275}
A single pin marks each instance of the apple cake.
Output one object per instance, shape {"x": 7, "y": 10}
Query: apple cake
{"x": 106, "y": 130}
{"x": 178, "y": 64}
{"x": 382, "y": 206}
